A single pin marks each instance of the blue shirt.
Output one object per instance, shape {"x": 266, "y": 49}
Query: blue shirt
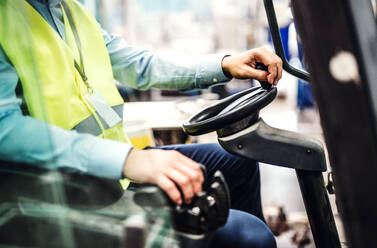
{"x": 25, "y": 139}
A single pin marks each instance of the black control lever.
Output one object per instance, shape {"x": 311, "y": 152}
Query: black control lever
{"x": 206, "y": 212}
{"x": 265, "y": 85}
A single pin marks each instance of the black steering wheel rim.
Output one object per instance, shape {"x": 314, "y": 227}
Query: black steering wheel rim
{"x": 212, "y": 118}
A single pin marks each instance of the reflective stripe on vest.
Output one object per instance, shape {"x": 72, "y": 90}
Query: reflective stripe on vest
{"x": 90, "y": 125}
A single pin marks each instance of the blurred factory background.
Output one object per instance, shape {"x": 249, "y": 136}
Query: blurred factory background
{"x": 195, "y": 27}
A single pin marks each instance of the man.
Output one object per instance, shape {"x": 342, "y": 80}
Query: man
{"x": 56, "y": 51}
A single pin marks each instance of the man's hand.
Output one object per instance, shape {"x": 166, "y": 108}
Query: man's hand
{"x": 242, "y": 66}
{"x": 166, "y": 169}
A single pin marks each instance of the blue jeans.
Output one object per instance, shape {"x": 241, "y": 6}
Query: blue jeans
{"x": 245, "y": 228}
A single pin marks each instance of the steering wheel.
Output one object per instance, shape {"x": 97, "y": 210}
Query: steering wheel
{"x": 233, "y": 113}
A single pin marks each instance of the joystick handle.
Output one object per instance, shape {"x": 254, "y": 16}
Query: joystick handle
{"x": 265, "y": 85}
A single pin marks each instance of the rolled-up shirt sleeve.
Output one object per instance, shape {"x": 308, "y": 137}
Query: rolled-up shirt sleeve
{"x": 142, "y": 69}
{"x": 27, "y": 140}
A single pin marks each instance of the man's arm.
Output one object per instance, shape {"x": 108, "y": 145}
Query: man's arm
{"x": 27, "y": 140}
{"x": 141, "y": 69}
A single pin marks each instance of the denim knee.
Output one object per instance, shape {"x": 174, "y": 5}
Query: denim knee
{"x": 243, "y": 230}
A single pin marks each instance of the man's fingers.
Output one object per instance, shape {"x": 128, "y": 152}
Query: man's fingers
{"x": 278, "y": 63}
{"x": 195, "y": 178}
{"x": 259, "y": 75}
{"x": 280, "y": 72}
{"x": 265, "y": 56}
{"x": 170, "y": 189}
{"x": 273, "y": 73}
{"x": 272, "y": 61}
{"x": 195, "y": 166}
{"x": 183, "y": 182}
{"x": 192, "y": 170}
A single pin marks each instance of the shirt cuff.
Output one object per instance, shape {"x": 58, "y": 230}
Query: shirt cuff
{"x": 107, "y": 158}
{"x": 210, "y": 71}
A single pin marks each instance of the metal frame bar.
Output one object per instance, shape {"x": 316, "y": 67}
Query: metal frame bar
{"x": 318, "y": 208}
{"x": 276, "y": 39}
{"x": 341, "y": 36}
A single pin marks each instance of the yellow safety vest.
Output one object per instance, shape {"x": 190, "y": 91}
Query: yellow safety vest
{"x": 53, "y": 88}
